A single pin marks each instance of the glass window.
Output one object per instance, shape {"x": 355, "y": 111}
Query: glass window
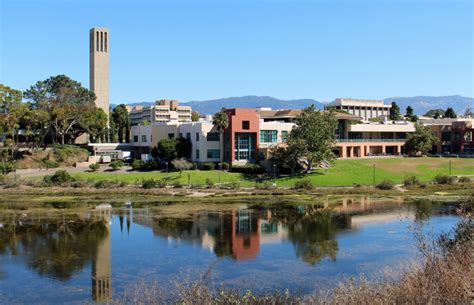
{"x": 446, "y": 136}
{"x": 284, "y": 136}
{"x": 188, "y": 136}
{"x": 245, "y": 143}
{"x": 143, "y": 138}
{"x": 170, "y": 135}
{"x": 197, "y": 153}
{"x": 245, "y": 125}
{"x": 197, "y": 136}
{"x": 212, "y": 137}
{"x": 213, "y": 153}
{"x": 135, "y": 139}
{"x": 268, "y": 136}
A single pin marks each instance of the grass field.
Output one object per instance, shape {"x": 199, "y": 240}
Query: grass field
{"x": 342, "y": 172}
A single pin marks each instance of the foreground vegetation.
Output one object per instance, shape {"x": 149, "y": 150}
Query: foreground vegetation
{"x": 442, "y": 275}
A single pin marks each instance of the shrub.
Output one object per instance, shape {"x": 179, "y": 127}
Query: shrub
{"x": 209, "y": 182}
{"x": 79, "y": 184}
{"x": 7, "y": 167}
{"x": 58, "y": 178}
{"x": 138, "y": 164}
{"x": 153, "y": 183}
{"x": 249, "y": 169}
{"x": 464, "y": 179}
{"x": 177, "y": 185}
{"x": 304, "y": 184}
{"x": 225, "y": 166}
{"x": 181, "y": 164}
{"x": 411, "y": 181}
{"x": 266, "y": 185}
{"x": 116, "y": 164}
{"x": 50, "y": 163}
{"x": 208, "y": 166}
{"x": 444, "y": 179}
{"x": 235, "y": 185}
{"x": 386, "y": 185}
{"x": 94, "y": 167}
{"x": 104, "y": 184}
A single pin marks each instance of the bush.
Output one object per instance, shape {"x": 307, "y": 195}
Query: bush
{"x": 58, "y": 178}
{"x": 235, "y": 185}
{"x": 209, "y": 182}
{"x": 249, "y": 169}
{"x": 411, "y": 181}
{"x": 444, "y": 179}
{"x": 225, "y": 166}
{"x": 138, "y": 164}
{"x": 104, "y": 184}
{"x": 304, "y": 184}
{"x": 208, "y": 166}
{"x": 152, "y": 183}
{"x": 181, "y": 164}
{"x": 94, "y": 167}
{"x": 79, "y": 184}
{"x": 386, "y": 185}
{"x": 464, "y": 179}
{"x": 7, "y": 167}
{"x": 116, "y": 164}
{"x": 50, "y": 163}
{"x": 177, "y": 185}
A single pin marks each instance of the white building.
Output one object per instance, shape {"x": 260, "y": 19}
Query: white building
{"x": 163, "y": 111}
{"x": 365, "y": 109}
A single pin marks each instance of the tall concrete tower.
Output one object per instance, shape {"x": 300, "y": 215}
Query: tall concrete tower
{"x": 99, "y": 66}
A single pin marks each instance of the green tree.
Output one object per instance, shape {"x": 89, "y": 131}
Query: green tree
{"x": 122, "y": 123}
{"x": 286, "y": 158}
{"x": 195, "y": 116}
{"x": 409, "y": 113}
{"x": 315, "y": 135}
{"x": 394, "y": 112}
{"x": 95, "y": 124}
{"x": 165, "y": 150}
{"x": 66, "y": 102}
{"x": 435, "y": 113}
{"x": 221, "y": 122}
{"x": 116, "y": 164}
{"x": 12, "y": 110}
{"x": 450, "y": 113}
{"x": 421, "y": 141}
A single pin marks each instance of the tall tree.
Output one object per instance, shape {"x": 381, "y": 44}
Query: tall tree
{"x": 122, "y": 123}
{"x": 221, "y": 122}
{"x": 195, "y": 116}
{"x": 394, "y": 112}
{"x": 12, "y": 111}
{"x": 421, "y": 141}
{"x": 66, "y": 102}
{"x": 315, "y": 132}
{"x": 450, "y": 113}
{"x": 409, "y": 113}
{"x": 95, "y": 124}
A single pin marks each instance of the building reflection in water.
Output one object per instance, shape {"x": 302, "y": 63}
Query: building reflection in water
{"x": 101, "y": 262}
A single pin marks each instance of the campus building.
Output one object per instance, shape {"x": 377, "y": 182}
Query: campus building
{"x": 252, "y": 133}
{"x": 364, "y": 109}
{"x": 99, "y": 66}
{"x": 163, "y": 111}
{"x": 455, "y": 136}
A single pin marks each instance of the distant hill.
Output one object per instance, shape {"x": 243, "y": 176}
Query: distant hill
{"x": 213, "y": 106}
{"x": 420, "y": 104}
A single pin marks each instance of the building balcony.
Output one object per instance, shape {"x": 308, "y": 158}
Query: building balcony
{"x": 369, "y": 140}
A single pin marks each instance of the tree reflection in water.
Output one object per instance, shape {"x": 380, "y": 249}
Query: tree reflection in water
{"x": 55, "y": 248}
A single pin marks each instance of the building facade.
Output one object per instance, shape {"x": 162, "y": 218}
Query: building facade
{"x": 364, "y": 109}
{"x": 163, "y": 111}
{"x": 455, "y": 136}
{"x": 99, "y": 66}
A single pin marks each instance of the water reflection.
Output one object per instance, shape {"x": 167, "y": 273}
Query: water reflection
{"x": 61, "y": 246}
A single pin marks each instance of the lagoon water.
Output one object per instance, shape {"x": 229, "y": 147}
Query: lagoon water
{"x": 88, "y": 255}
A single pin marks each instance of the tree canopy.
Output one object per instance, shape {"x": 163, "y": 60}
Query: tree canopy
{"x": 421, "y": 141}
{"x": 121, "y": 122}
{"x": 435, "y": 113}
{"x": 394, "y": 112}
{"x": 450, "y": 113}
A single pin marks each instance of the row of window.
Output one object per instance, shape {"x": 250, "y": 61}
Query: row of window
{"x": 144, "y": 139}
{"x": 101, "y": 42}
{"x": 211, "y": 153}
{"x": 271, "y": 136}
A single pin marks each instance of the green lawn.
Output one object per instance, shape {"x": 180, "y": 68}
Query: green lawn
{"x": 342, "y": 172}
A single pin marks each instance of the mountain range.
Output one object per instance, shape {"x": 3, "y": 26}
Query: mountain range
{"x": 420, "y": 104}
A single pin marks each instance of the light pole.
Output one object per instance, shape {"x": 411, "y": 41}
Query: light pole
{"x": 220, "y": 169}
{"x": 373, "y": 174}
{"x": 450, "y": 170}
{"x": 274, "y": 174}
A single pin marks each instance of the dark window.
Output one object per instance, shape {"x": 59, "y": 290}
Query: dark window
{"x": 212, "y": 136}
{"x": 171, "y": 135}
{"x": 213, "y": 153}
{"x": 105, "y": 41}
{"x": 101, "y": 41}
{"x": 135, "y": 138}
{"x": 197, "y": 153}
{"x": 245, "y": 125}
{"x": 143, "y": 138}
{"x": 446, "y": 136}
{"x": 268, "y": 136}
{"x": 197, "y": 136}
{"x": 188, "y": 136}
{"x": 97, "y": 42}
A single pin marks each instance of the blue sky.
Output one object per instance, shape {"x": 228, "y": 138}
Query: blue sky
{"x": 196, "y": 50}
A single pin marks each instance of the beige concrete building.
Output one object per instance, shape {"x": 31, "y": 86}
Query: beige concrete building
{"x": 99, "y": 66}
{"x": 365, "y": 109}
{"x": 163, "y": 111}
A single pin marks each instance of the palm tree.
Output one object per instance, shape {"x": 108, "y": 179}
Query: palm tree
{"x": 221, "y": 122}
